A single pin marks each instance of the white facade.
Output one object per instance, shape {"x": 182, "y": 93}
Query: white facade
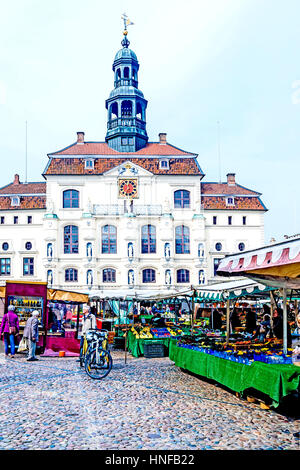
{"x": 100, "y": 205}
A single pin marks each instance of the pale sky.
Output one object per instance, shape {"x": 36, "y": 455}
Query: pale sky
{"x": 232, "y": 61}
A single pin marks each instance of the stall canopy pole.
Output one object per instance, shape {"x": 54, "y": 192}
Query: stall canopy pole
{"x": 227, "y": 319}
{"x": 284, "y": 300}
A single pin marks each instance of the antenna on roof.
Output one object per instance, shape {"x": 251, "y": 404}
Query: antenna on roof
{"x": 219, "y": 151}
{"x": 26, "y": 152}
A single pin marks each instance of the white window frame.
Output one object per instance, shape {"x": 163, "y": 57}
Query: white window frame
{"x": 89, "y": 163}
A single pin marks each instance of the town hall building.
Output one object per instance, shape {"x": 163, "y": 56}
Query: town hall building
{"x": 125, "y": 212}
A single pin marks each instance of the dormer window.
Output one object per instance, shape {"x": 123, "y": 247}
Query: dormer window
{"x": 15, "y": 201}
{"x": 89, "y": 164}
{"x": 230, "y": 201}
{"x": 164, "y": 164}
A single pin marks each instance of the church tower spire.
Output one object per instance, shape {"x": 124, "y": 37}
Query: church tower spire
{"x": 126, "y": 105}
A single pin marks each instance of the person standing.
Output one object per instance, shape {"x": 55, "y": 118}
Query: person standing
{"x": 88, "y": 323}
{"x": 250, "y": 320}
{"x": 216, "y": 320}
{"x": 9, "y": 328}
{"x": 31, "y": 332}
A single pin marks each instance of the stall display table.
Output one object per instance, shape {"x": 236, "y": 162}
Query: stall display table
{"x": 68, "y": 343}
{"x": 274, "y": 380}
{"x": 136, "y": 346}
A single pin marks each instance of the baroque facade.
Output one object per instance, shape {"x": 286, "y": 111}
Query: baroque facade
{"x": 126, "y": 212}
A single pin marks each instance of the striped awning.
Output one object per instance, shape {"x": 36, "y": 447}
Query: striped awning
{"x": 276, "y": 265}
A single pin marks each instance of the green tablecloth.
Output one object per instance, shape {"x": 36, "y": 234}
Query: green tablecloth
{"x": 274, "y": 380}
{"x": 136, "y": 345}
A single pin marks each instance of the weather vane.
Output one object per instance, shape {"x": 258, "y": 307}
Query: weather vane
{"x": 127, "y": 22}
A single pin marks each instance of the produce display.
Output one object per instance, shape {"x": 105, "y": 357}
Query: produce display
{"x": 141, "y": 332}
{"x": 238, "y": 349}
{"x": 146, "y": 332}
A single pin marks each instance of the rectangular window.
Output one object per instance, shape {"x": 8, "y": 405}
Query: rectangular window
{"x": 2, "y": 220}
{"x": 89, "y": 164}
{"x": 130, "y": 141}
{"x": 29, "y": 219}
{"x": 229, "y": 220}
{"x": 124, "y": 141}
{"x": 214, "y": 220}
{"x": 244, "y": 220}
{"x": 4, "y": 266}
{"x": 16, "y": 219}
{"x": 28, "y": 266}
{"x": 216, "y": 265}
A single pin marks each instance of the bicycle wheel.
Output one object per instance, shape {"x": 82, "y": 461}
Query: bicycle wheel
{"x": 98, "y": 363}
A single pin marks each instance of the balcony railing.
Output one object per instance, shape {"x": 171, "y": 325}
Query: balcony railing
{"x": 126, "y": 122}
{"x": 116, "y": 209}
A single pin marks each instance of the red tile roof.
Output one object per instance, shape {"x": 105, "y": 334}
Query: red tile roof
{"x": 24, "y": 188}
{"x": 224, "y": 188}
{"x": 26, "y": 202}
{"x": 240, "y": 203}
{"x": 101, "y": 148}
{"x": 76, "y": 166}
{"x": 213, "y": 197}
{"x": 32, "y": 196}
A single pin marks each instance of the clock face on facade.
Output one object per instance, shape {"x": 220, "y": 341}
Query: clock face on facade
{"x": 128, "y": 188}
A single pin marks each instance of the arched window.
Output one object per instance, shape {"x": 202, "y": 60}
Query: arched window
{"x": 148, "y": 275}
{"x": 89, "y": 250}
{"x": 201, "y": 277}
{"x": 181, "y": 199}
{"x": 89, "y": 277}
{"x": 183, "y": 275}
{"x": 49, "y": 250}
{"x": 71, "y": 275}
{"x": 201, "y": 250}
{"x": 71, "y": 199}
{"x": 126, "y": 108}
{"x": 148, "y": 239}
{"x": 109, "y": 275}
{"x": 50, "y": 277}
{"x": 71, "y": 239}
{"x": 113, "y": 111}
{"x": 109, "y": 239}
{"x": 139, "y": 111}
{"x": 182, "y": 239}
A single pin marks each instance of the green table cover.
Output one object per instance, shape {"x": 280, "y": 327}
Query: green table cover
{"x": 136, "y": 345}
{"x": 274, "y": 380}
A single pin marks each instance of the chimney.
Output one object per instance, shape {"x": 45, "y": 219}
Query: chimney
{"x": 80, "y": 137}
{"x": 162, "y": 138}
{"x": 231, "y": 179}
{"x": 16, "y": 180}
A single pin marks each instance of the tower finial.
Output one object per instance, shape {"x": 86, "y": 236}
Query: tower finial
{"x": 127, "y": 22}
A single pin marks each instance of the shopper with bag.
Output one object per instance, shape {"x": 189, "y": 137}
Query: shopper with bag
{"x": 31, "y": 332}
{"x": 9, "y": 329}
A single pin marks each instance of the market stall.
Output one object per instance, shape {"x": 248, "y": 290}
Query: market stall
{"x": 59, "y": 319}
{"x": 26, "y": 297}
{"x": 276, "y": 265}
{"x": 232, "y": 357}
{"x": 273, "y": 380}
{"x": 63, "y": 323}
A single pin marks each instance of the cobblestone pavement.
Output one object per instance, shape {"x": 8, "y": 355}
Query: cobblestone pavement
{"x": 145, "y": 404}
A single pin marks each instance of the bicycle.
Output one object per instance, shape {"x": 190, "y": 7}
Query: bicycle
{"x": 94, "y": 355}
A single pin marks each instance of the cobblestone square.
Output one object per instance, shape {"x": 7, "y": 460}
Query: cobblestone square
{"x": 145, "y": 404}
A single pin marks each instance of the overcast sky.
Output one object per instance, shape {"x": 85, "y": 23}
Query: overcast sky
{"x": 201, "y": 62}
